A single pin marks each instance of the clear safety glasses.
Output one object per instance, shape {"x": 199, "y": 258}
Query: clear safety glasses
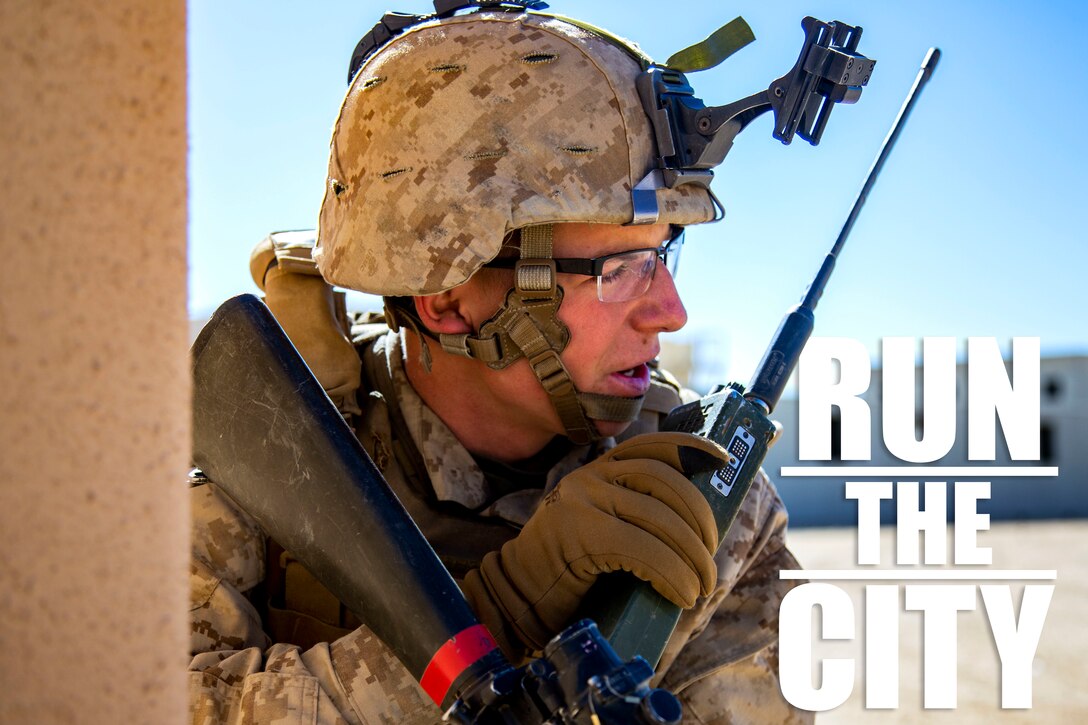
{"x": 621, "y": 276}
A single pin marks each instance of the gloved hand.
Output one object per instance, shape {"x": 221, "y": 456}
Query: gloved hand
{"x": 632, "y": 509}
{"x": 305, "y": 307}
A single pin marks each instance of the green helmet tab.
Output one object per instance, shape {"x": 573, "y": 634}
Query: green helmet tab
{"x": 709, "y": 52}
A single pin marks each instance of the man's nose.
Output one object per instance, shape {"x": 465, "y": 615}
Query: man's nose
{"x": 661, "y": 309}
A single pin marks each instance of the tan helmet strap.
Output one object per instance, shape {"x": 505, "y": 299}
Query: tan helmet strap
{"x": 611, "y": 407}
{"x": 536, "y": 330}
{"x": 527, "y": 325}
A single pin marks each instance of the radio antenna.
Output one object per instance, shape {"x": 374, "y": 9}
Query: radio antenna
{"x": 785, "y": 350}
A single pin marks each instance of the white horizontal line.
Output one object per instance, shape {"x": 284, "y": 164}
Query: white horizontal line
{"x": 926, "y": 471}
{"x": 904, "y": 574}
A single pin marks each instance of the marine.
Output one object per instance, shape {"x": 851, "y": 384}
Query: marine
{"x": 483, "y": 178}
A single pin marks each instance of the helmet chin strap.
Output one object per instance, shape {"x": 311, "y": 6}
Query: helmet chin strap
{"x": 527, "y": 326}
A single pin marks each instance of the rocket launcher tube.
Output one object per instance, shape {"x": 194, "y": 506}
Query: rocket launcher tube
{"x": 269, "y": 437}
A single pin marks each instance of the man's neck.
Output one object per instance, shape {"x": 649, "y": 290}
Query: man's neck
{"x": 455, "y": 389}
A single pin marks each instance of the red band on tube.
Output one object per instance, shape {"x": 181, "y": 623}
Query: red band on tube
{"x": 458, "y": 654}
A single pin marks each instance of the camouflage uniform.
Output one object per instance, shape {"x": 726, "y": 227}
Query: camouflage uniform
{"x": 722, "y": 660}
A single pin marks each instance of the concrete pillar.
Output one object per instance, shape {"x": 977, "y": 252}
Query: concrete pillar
{"x": 94, "y": 389}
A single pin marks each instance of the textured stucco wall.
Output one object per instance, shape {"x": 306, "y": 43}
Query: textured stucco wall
{"x": 93, "y": 364}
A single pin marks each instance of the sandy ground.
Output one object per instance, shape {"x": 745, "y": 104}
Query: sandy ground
{"x": 1060, "y": 673}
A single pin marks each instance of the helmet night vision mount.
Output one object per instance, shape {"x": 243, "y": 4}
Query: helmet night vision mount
{"x": 692, "y": 138}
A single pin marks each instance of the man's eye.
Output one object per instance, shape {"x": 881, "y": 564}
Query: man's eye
{"x": 616, "y": 272}
{"x": 629, "y": 268}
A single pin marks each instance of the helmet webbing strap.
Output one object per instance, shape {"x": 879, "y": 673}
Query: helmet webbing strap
{"x": 527, "y": 326}
{"x": 611, "y": 407}
{"x": 534, "y": 327}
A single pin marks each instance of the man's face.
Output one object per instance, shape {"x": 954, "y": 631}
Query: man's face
{"x": 610, "y": 342}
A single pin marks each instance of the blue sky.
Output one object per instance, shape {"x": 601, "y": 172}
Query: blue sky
{"x": 973, "y": 229}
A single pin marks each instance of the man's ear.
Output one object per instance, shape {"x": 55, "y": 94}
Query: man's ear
{"x": 442, "y": 313}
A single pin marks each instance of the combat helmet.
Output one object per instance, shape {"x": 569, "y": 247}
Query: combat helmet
{"x": 460, "y": 129}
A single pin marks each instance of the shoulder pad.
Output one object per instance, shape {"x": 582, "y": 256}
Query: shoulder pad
{"x": 290, "y": 250}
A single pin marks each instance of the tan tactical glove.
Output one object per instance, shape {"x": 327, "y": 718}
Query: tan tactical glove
{"x": 307, "y": 308}
{"x": 633, "y": 509}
